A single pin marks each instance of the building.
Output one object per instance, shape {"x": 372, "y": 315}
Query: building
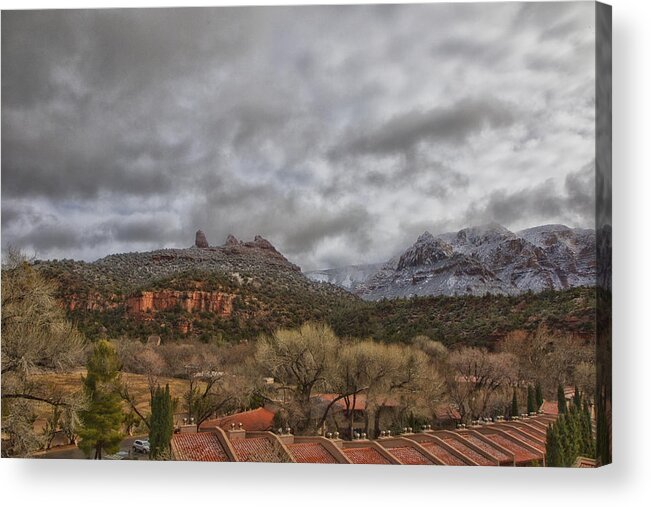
{"x": 501, "y": 443}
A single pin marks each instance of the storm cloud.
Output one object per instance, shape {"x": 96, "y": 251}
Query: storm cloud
{"x": 339, "y": 133}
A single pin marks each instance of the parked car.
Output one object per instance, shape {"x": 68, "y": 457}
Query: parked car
{"x": 141, "y": 446}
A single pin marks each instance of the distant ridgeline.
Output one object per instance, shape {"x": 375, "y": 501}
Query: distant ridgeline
{"x": 241, "y": 289}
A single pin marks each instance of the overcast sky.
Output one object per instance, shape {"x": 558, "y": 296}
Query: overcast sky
{"x": 338, "y": 133}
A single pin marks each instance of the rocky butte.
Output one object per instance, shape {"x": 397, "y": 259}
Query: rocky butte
{"x": 200, "y": 240}
{"x": 205, "y": 287}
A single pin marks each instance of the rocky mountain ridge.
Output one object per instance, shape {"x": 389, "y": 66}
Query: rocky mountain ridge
{"x": 237, "y": 289}
{"x": 479, "y": 260}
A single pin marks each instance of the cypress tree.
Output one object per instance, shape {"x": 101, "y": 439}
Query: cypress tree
{"x": 161, "y": 426}
{"x": 588, "y": 437}
{"x": 560, "y": 394}
{"x": 102, "y": 419}
{"x": 531, "y": 400}
{"x": 514, "y": 404}
{"x": 577, "y": 398}
{"x": 565, "y": 443}
{"x": 539, "y": 396}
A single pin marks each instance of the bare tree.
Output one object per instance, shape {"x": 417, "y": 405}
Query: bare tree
{"x": 475, "y": 375}
{"x": 299, "y": 360}
{"x": 546, "y": 357}
{"x": 36, "y": 337}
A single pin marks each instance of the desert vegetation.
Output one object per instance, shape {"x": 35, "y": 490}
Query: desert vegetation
{"x": 485, "y": 356}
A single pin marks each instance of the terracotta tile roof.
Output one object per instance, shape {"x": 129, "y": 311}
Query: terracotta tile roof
{"x": 198, "y": 447}
{"x": 480, "y": 459}
{"x": 526, "y": 434}
{"x": 521, "y": 453}
{"x": 365, "y": 456}
{"x": 259, "y": 419}
{"x": 446, "y": 411}
{"x": 532, "y": 442}
{"x": 311, "y": 452}
{"x": 443, "y": 454}
{"x": 550, "y": 407}
{"x": 410, "y": 455}
{"x": 258, "y": 449}
{"x": 489, "y": 449}
{"x": 583, "y": 462}
{"x": 360, "y": 401}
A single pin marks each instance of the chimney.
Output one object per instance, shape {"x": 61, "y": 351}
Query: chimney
{"x": 285, "y": 436}
{"x": 236, "y": 431}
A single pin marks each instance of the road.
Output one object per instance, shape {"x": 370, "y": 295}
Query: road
{"x": 73, "y": 452}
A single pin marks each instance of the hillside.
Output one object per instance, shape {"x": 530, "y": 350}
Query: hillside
{"x": 469, "y": 320}
{"x": 239, "y": 290}
{"x": 230, "y": 292}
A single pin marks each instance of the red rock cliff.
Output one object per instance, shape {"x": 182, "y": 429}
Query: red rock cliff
{"x": 192, "y": 301}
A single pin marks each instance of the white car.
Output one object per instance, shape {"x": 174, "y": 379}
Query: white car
{"x": 141, "y": 446}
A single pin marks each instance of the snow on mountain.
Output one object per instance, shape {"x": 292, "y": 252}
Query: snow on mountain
{"x": 477, "y": 260}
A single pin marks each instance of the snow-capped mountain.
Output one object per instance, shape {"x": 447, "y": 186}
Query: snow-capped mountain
{"x": 477, "y": 260}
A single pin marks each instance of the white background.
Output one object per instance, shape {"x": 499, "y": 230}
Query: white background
{"x": 626, "y": 482}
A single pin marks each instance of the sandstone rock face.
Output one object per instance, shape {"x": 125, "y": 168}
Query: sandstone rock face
{"x": 200, "y": 240}
{"x": 190, "y": 301}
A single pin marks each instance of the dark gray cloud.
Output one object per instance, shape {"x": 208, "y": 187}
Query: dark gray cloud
{"x": 454, "y": 124}
{"x": 544, "y": 202}
{"x": 340, "y": 133}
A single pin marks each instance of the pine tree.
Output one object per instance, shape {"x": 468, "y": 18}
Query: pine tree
{"x": 539, "y": 396}
{"x": 102, "y": 419}
{"x": 531, "y": 400}
{"x": 162, "y": 423}
{"x": 562, "y": 406}
{"x": 514, "y": 404}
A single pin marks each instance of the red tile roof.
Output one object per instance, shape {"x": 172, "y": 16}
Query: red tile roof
{"x": 583, "y": 462}
{"x": 260, "y": 419}
{"x": 550, "y": 407}
{"x": 410, "y": 455}
{"x": 446, "y": 411}
{"x": 310, "y": 452}
{"x": 443, "y": 454}
{"x": 480, "y": 459}
{"x": 365, "y": 456}
{"x": 360, "y": 401}
{"x": 198, "y": 447}
{"x": 258, "y": 449}
{"x": 532, "y": 442}
{"x": 522, "y": 454}
{"x": 489, "y": 449}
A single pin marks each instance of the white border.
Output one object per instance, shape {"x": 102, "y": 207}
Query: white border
{"x": 627, "y": 482}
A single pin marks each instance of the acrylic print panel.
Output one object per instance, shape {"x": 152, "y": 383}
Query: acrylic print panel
{"x": 422, "y": 199}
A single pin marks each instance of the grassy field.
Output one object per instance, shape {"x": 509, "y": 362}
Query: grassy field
{"x": 70, "y": 382}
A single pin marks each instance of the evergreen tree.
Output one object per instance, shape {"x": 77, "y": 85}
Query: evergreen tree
{"x": 552, "y": 451}
{"x": 514, "y": 404}
{"x": 577, "y": 398}
{"x": 539, "y": 396}
{"x": 162, "y": 423}
{"x": 562, "y": 407}
{"x": 102, "y": 419}
{"x": 570, "y": 437}
{"x": 531, "y": 400}
{"x": 588, "y": 437}
{"x": 565, "y": 441}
